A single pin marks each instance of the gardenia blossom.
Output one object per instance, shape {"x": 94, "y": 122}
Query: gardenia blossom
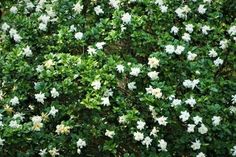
{"x": 54, "y": 152}
{"x": 40, "y": 97}
{"x": 163, "y": 8}
{"x": 120, "y": 68}
{"x": 100, "y": 45}
{"x": 14, "y": 101}
{"x": 205, "y": 29}
{"x": 162, "y": 120}
{"x": 132, "y": 85}
{"x": 140, "y": 125}
{"x": 37, "y": 123}
{"x": 78, "y": 7}
{"x": 224, "y": 44}
{"x": 14, "y": 124}
{"x": 162, "y": 145}
{"x": 176, "y": 102}
{"x": 233, "y": 99}
{"x": 109, "y": 133}
{"x": 189, "y": 28}
{"x": 197, "y": 120}
{"x": 190, "y": 84}
{"x": 43, "y": 152}
{"x": 98, "y": 10}
{"x": 2, "y": 141}
{"x": 233, "y": 151}
{"x": 153, "y": 62}
{"x": 202, "y": 129}
{"x": 154, "y": 91}
{"x": 184, "y": 116}
{"x": 201, "y": 9}
{"x": 218, "y": 62}
{"x": 79, "y": 35}
{"x": 179, "y": 49}
{"x": 191, "y": 101}
{"x": 5, "y": 26}
{"x": 191, "y": 56}
{"x": 138, "y": 136}
{"x": 169, "y": 49}
{"x": 232, "y": 31}
{"x": 186, "y": 37}
{"x": 174, "y": 30}
{"x": 54, "y": 93}
{"x": 62, "y": 129}
{"x": 91, "y": 50}
{"x": 135, "y": 71}
{"x": 212, "y": 53}
{"x": 216, "y": 120}
{"x": 53, "y": 111}
{"x": 96, "y": 84}
{"x": 147, "y": 141}
{"x": 27, "y": 51}
{"x": 13, "y": 9}
{"x": 196, "y": 145}
{"x": 201, "y": 154}
{"x": 105, "y": 101}
{"x": 126, "y": 18}
{"x": 114, "y": 3}
{"x": 190, "y": 128}
{"x": 182, "y": 11}
{"x": 153, "y": 75}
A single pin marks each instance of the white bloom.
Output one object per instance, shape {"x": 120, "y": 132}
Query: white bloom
{"x": 98, "y": 10}
{"x": 96, "y": 84}
{"x": 156, "y": 92}
{"x": 232, "y": 31}
{"x": 114, "y": 3}
{"x": 153, "y": 75}
{"x": 189, "y": 28}
{"x": 42, "y": 26}
{"x": 100, "y": 45}
{"x": 54, "y": 93}
{"x": 5, "y": 26}
{"x": 105, "y": 101}
{"x": 224, "y": 44}
{"x": 197, "y": 120}
{"x": 233, "y": 151}
{"x": 207, "y": 1}
{"x": 201, "y": 9}
{"x": 120, "y": 68}
{"x": 179, "y": 49}
{"x": 191, "y": 56}
{"x": 122, "y": 119}
{"x": 73, "y": 28}
{"x": 147, "y": 141}
{"x": 138, "y": 136}
{"x": 154, "y": 132}
{"x": 12, "y": 32}
{"x": 91, "y": 50}
{"x": 140, "y": 125}
{"x": 126, "y": 18}
{"x": 53, "y": 111}
{"x": 216, "y": 120}
{"x": 162, "y": 120}
{"x": 43, "y": 152}
{"x": 232, "y": 109}
{"x": 14, "y": 101}
{"x": 1, "y": 141}
{"x": 62, "y": 129}
{"x": 81, "y": 143}
{"x": 162, "y": 145}
{"x": 233, "y": 99}
{"x": 135, "y": 71}
{"x": 110, "y": 133}
{"x": 203, "y": 129}
{"x": 184, "y": 116}
{"x": 196, "y": 145}
{"x": 186, "y": 37}
{"x": 201, "y": 155}
{"x": 159, "y": 2}
{"x": 17, "y": 38}
{"x": 190, "y": 84}
{"x": 218, "y": 62}
{"x": 78, "y": 7}
{"x": 153, "y": 62}
{"x": 36, "y": 119}
{"x": 18, "y": 115}
{"x": 205, "y": 29}
{"x": 79, "y": 35}
{"x": 39, "y": 68}
{"x": 14, "y": 124}
{"x": 132, "y": 85}
{"x": 163, "y": 8}
{"x": 191, "y": 101}
{"x": 169, "y": 49}
{"x": 174, "y": 30}
{"x": 44, "y": 19}
{"x": 40, "y": 97}
{"x": 190, "y": 128}
{"x": 54, "y": 152}
{"x": 212, "y": 53}
{"x": 13, "y": 9}
{"x": 176, "y": 102}
{"x": 27, "y": 51}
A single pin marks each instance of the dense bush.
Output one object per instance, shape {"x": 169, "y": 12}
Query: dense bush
{"x": 118, "y": 78}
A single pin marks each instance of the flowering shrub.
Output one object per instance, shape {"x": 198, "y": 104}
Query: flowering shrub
{"x": 118, "y": 78}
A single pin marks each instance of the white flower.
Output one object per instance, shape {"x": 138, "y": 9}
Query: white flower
{"x": 174, "y": 30}
{"x": 36, "y": 119}
{"x": 110, "y": 133}
{"x": 197, "y": 120}
{"x": 91, "y": 50}
{"x": 191, "y": 56}
{"x": 156, "y": 92}
{"x": 201, "y": 155}
{"x": 54, "y": 152}
{"x": 232, "y": 109}
{"x": 138, "y": 136}
{"x": 43, "y": 152}
{"x": 126, "y": 18}
{"x": 224, "y": 44}
{"x": 191, "y": 128}
{"x": 13, "y": 9}
{"x": 154, "y": 132}
{"x": 98, "y": 10}
{"x": 17, "y": 38}
{"x": 232, "y": 31}
{"x": 79, "y": 35}
{"x": 203, "y": 129}
{"x": 205, "y": 29}
{"x": 218, "y": 62}
{"x": 96, "y": 84}
{"x": 39, "y": 68}
{"x": 159, "y": 2}
{"x": 18, "y": 115}
{"x": 176, "y": 102}
{"x": 184, "y": 116}
{"x": 233, "y": 151}
{"x": 53, "y": 111}
{"x": 135, "y": 71}
{"x": 42, "y": 26}
{"x": 122, "y": 119}
{"x": 37, "y": 123}
{"x": 5, "y": 26}
{"x": 12, "y": 32}
{"x": 120, "y": 68}
{"x": 73, "y": 28}
{"x": 62, "y": 129}
{"x": 78, "y": 7}
{"x": 105, "y": 101}
{"x": 163, "y": 8}
{"x": 54, "y": 93}
{"x": 44, "y": 19}
{"x": 233, "y": 99}
{"x": 81, "y": 143}
{"x": 190, "y": 84}
{"x": 132, "y": 85}
{"x": 14, "y": 101}
{"x": 186, "y": 37}
{"x": 147, "y": 141}
{"x": 169, "y": 49}
{"x": 140, "y": 125}
{"x": 153, "y": 62}
{"x": 1, "y": 141}
{"x": 162, "y": 145}
{"x": 201, "y": 9}
{"x": 114, "y": 3}
{"x": 179, "y": 49}
{"x": 189, "y": 28}
{"x": 191, "y": 101}
{"x": 40, "y": 97}
{"x": 153, "y": 75}
{"x": 14, "y": 124}
{"x": 216, "y": 120}
{"x": 207, "y": 1}
{"x": 162, "y": 120}
{"x": 212, "y": 53}
{"x": 196, "y": 145}
{"x": 27, "y": 51}
{"x": 100, "y": 45}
